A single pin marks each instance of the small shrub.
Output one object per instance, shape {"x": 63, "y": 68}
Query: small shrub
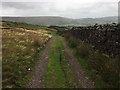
{"x": 73, "y": 44}
{"x": 83, "y": 50}
{"x": 69, "y": 37}
{"x": 71, "y": 40}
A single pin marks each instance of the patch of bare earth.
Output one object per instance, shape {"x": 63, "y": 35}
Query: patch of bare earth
{"x": 39, "y": 73}
{"x": 81, "y": 78}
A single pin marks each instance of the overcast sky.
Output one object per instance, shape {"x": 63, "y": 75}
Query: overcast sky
{"x": 64, "y": 8}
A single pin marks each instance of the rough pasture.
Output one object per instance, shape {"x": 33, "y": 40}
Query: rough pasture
{"x": 21, "y": 49}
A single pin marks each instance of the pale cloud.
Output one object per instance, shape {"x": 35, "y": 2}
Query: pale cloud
{"x": 64, "y": 8}
{"x": 81, "y": 1}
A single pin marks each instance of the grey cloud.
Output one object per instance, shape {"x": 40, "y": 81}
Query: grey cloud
{"x": 24, "y": 5}
{"x": 17, "y": 5}
{"x": 51, "y": 8}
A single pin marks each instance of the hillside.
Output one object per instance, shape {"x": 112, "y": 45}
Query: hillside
{"x": 21, "y": 49}
{"x": 52, "y": 20}
{"x": 43, "y": 56}
{"x": 103, "y": 20}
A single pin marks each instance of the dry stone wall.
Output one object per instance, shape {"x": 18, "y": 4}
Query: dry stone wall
{"x": 105, "y": 38}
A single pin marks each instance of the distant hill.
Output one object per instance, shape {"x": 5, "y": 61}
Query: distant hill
{"x": 103, "y": 20}
{"x": 52, "y": 20}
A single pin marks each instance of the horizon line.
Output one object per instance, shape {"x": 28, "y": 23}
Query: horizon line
{"x": 60, "y": 16}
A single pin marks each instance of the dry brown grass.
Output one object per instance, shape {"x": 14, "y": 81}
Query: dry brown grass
{"x": 20, "y": 47}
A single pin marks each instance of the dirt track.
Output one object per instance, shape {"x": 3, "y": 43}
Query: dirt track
{"x": 81, "y": 78}
{"x": 39, "y": 73}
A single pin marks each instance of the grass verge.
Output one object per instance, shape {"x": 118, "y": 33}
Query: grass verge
{"x": 102, "y": 69}
{"x": 59, "y": 74}
{"x": 98, "y": 82}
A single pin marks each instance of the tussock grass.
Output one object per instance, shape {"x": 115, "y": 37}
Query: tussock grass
{"x": 20, "y": 51}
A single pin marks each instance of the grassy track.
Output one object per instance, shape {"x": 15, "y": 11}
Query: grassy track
{"x": 58, "y": 75}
